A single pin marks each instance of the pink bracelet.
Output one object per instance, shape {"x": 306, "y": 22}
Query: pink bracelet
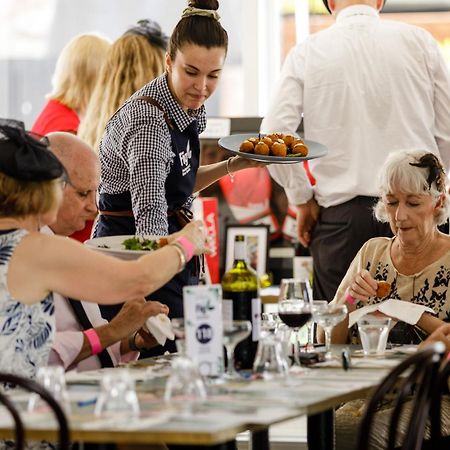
{"x": 350, "y": 299}
{"x": 94, "y": 341}
{"x": 188, "y": 247}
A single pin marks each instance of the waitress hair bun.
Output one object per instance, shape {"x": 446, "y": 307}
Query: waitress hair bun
{"x": 204, "y": 4}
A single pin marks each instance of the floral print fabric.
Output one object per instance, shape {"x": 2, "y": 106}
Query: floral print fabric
{"x": 26, "y": 331}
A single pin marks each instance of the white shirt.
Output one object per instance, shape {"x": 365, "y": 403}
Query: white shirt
{"x": 366, "y": 87}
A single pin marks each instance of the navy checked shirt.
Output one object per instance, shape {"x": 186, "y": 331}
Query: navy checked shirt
{"x": 136, "y": 153}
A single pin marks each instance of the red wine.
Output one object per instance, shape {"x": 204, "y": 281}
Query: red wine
{"x": 294, "y": 319}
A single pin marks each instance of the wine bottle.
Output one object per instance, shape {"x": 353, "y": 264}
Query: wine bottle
{"x": 241, "y": 302}
{"x": 303, "y": 263}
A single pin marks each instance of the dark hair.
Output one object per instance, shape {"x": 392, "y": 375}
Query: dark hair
{"x": 198, "y": 30}
{"x": 325, "y": 2}
{"x": 151, "y": 30}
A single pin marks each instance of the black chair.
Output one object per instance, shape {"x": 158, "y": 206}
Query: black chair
{"x": 413, "y": 379}
{"x": 33, "y": 386}
{"x": 437, "y": 441}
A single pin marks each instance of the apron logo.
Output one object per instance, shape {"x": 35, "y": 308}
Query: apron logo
{"x": 185, "y": 160}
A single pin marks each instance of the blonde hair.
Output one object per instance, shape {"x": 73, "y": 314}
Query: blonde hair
{"x": 399, "y": 174}
{"x": 77, "y": 69}
{"x": 132, "y": 62}
{"x": 25, "y": 198}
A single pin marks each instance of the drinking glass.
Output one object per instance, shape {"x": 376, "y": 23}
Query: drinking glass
{"x": 117, "y": 396}
{"x": 327, "y": 316}
{"x": 310, "y": 326}
{"x": 294, "y": 307}
{"x": 53, "y": 379}
{"x": 180, "y": 334}
{"x": 234, "y": 331}
{"x": 373, "y": 332}
{"x": 185, "y": 386}
{"x": 269, "y": 360}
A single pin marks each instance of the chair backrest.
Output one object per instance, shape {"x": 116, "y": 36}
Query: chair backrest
{"x": 413, "y": 379}
{"x": 33, "y": 386}
{"x": 441, "y": 387}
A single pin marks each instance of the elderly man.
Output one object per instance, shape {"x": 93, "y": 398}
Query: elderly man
{"x": 366, "y": 88}
{"x": 119, "y": 338}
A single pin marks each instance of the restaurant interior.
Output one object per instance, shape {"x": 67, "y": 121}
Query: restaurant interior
{"x": 261, "y": 33}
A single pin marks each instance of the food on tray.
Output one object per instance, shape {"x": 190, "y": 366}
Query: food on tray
{"x": 141, "y": 243}
{"x": 384, "y": 289}
{"x": 275, "y": 144}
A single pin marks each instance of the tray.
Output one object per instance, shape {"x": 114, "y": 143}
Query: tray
{"x": 233, "y": 142}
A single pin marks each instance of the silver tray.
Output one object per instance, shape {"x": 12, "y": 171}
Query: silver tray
{"x": 233, "y": 142}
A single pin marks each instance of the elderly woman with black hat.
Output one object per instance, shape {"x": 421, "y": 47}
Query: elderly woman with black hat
{"x": 33, "y": 265}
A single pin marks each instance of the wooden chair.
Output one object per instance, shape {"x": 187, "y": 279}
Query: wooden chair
{"x": 413, "y": 379}
{"x": 33, "y": 386}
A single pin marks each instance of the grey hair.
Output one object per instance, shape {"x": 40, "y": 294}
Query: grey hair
{"x": 397, "y": 174}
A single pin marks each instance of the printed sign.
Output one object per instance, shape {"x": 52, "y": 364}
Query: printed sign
{"x": 203, "y": 327}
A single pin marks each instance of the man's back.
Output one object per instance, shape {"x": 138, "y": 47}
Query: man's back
{"x": 369, "y": 87}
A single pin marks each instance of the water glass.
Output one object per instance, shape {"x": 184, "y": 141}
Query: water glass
{"x": 185, "y": 386}
{"x": 53, "y": 379}
{"x": 269, "y": 360}
{"x": 117, "y": 396}
{"x": 373, "y": 332}
{"x": 180, "y": 334}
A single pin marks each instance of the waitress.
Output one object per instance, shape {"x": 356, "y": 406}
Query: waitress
{"x": 150, "y": 151}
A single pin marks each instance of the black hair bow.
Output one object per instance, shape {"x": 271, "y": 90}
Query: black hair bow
{"x": 436, "y": 172}
{"x": 151, "y": 30}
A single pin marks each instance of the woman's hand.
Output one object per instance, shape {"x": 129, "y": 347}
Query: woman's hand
{"x": 363, "y": 286}
{"x": 195, "y": 233}
{"x": 237, "y": 163}
{"x": 441, "y": 334}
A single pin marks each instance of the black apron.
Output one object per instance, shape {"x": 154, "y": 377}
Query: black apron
{"x": 179, "y": 186}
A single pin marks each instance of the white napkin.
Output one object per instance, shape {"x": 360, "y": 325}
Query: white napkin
{"x": 160, "y": 327}
{"x": 405, "y": 311}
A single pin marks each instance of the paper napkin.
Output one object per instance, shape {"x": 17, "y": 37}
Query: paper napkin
{"x": 160, "y": 327}
{"x": 397, "y": 309}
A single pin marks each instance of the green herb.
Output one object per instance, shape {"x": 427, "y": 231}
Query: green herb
{"x": 140, "y": 243}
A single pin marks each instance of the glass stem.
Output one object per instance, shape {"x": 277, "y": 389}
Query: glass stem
{"x": 327, "y": 339}
{"x": 230, "y": 360}
{"x": 310, "y": 343}
{"x": 296, "y": 347}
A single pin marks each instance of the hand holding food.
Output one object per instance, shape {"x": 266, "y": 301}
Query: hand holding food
{"x": 275, "y": 144}
{"x": 363, "y": 286}
{"x": 383, "y": 289}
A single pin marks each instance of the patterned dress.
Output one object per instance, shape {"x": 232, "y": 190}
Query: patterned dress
{"x": 26, "y": 331}
{"x": 428, "y": 287}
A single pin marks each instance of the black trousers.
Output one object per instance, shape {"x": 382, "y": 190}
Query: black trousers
{"x": 339, "y": 234}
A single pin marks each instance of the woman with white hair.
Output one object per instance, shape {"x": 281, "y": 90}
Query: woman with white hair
{"x": 416, "y": 261}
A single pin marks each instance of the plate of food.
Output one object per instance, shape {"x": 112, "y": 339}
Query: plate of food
{"x": 277, "y": 148}
{"x": 126, "y": 246}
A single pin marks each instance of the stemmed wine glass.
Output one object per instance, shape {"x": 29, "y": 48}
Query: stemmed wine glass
{"x": 294, "y": 307}
{"x": 327, "y": 316}
{"x": 234, "y": 331}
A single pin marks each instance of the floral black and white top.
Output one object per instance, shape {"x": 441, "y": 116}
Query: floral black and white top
{"x": 26, "y": 331}
{"x": 430, "y": 287}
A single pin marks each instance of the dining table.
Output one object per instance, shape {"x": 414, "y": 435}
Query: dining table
{"x": 230, "y": 408}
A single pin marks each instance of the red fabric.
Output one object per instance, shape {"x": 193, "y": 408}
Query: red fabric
{"x": 85, "y": 233}
{"x": 56, "y": 117}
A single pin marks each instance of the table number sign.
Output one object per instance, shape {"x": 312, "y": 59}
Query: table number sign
{"x": 203, "y": 327}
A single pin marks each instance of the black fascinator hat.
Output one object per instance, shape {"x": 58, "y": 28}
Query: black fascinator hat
{"x": 25, "y": 157}
{"x": 151, "y": 30}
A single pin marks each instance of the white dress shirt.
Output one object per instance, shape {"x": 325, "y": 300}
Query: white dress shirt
{"x": 366, "y": 87}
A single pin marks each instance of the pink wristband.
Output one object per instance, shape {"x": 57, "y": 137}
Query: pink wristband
{"x": 350, "y": 299}
{"x": 94, "y": 341}
{"x": 188, "y": 247}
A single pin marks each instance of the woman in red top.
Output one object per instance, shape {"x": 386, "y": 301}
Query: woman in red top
{"x": 73, "y": 82}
